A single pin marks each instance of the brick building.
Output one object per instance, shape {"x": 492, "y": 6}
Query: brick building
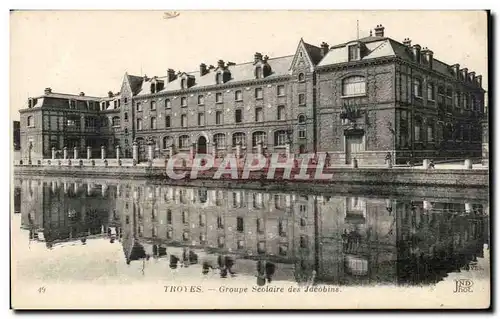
{"x": 361, "y": 99}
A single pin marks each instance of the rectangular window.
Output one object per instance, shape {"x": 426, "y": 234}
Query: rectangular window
{"x": 417, "y": 132}
{"x": 125, "y": 101}
{"x": 281, "y": 90}
{"x": 430, "y": 92}
{"x": 280, "y": 138}
{"x": 168, "y": 104}
{"x": 260, "y": 225}
{"x": 302, "y": 99}
{"x": 238, "y": 96}
{"x": 218, "y": 117}
{"x": 218, "y": 97}
{"x": 220, "y": 222}
{"x": 184, "y": 120}
{"x": 353, "y": 53}
{"x": 139, "y": 124}
{"x": 281, "y": 112}
{"x": 239, "y": 224}
{"x": 183, "y": 101}
{"x": 138, "y": 106}
{"x": 185, "y": 218}
{"x": 430, "y": 133}
{"x": 302, "y": 133}
{"x": 417, "y": 87}
{"x": 153, "y": 105}
{"x": 258, "y": 93}
{"x": 465, "y": 99}
{"x": 259, "y": 115}
{"x": 238, "y": 116}
{"x": 201, "y": 100}
{"x": 457, "y": 99}
{"x": 201, "y": 119}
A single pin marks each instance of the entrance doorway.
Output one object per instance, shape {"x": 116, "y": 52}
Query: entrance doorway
{"x": 202, "y": 145}
{"x": 353, "y": 146}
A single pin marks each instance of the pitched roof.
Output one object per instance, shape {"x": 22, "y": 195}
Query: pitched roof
{"x": 239, "y": 72}
{"x": 314, "y": 52}
{"x": 135, "y": 83}
{"x": 378, "y": 47}
{"x": 68, "y": 97}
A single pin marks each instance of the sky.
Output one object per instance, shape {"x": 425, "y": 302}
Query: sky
{"x": 90, "y": 51}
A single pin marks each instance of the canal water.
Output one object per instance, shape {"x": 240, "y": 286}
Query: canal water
{"x": 123, "y": 232}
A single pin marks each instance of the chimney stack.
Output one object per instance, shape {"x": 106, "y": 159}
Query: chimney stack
{"x": 407, "y": 42}
{"x": 48, "y": 91}
{"x": 220, "y": 64}
{"x": 203, "y": 69}
{"x": 324, "y": 48}
{"x": 379, "y": 31}
{"x": 265, "y": 58}
{"x": 211, "y": 67}
{"x": 170, "y": 75}
{"x": 82, "y": 94}
{"x": 257, "y": 57}
{"x": 110, "y": 94}
{"x": 428, "y": 55}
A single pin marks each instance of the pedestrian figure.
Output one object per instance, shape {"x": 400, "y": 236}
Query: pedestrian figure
{"x": 270, "y": 268}
{"x": 388, "y": 157}
{"x": 431, "y": 164}
{"x": 206, "y": 267}
{"x": 173, "y": 261}
{"x": 229, "y": 263}
{"x": 261, "y": 273}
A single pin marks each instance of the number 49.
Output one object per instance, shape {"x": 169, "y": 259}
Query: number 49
{"x": 41, "y": 290}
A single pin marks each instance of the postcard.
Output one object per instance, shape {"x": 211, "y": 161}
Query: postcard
{"x": 250, "y": 160}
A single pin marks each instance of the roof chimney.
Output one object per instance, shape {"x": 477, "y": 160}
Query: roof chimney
{"x": 47, "y": 91}
{"x": 110, "y": 94}
{"x": 82, "y": 94}
{"x": 220, "y": 64}
{"x": 170, "y": 75}
{"x": 257, "y": 57}
{"x": 203, "y": 69}
{"x": 407, "y": 42}
{"x": 211, "y": 67}
{"x": 324, "y": 48}
{"x": 379, "y": 31}
{"x": 265, "y": 58}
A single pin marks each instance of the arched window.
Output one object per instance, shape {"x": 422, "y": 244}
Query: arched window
{"x": 302, "y": 77}
{"x": 116, "y": 121}
{"x": 167, "y": 121}
{"x": 29, "y": 121}
{"x": 183, "y": 83}
{"x": 139, "y": 124}
{"x": 125, "y": 116}
{"x": 239, "y": 137}
{"x": 168, "y": 104}
{"x": 153, "y": 105}
{"x": 167, "y": 142}
{"x": 218, "y": 78}
{"x": 220, "y": 140}
{"x": 302, "y": 119}
{"x": 259, "y": 137}
{"x": 280, "y": 138}
{"x": 153, "y": 123}
{"x": 354, "y": 85}
{"x": 183, "y": 141}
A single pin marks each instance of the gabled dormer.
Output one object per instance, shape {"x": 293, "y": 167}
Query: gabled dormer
{"x": 156, "y": 85}
{"x": 186, "y": 80}
{"x": 222, "y": 73}
{"x": 356, "y": 50}
{"x": 262, "y": 69}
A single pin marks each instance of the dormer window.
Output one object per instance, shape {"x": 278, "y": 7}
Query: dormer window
{"x": 153, "y": 87}
{"x": 353, "y": 52}
{"x": 258, "y": 73}
{"x": 72, "y": 104}
{"x": 184, "y": 84}
{"x": 218, "y": 78}
{"x": 302, "y": 77}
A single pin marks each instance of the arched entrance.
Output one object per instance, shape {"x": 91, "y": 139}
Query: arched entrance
{"x": 202, "y": 145}
{"x": 302, "y": 149}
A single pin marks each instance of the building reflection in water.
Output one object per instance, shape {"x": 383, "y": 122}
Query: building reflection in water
{"x": 342, "y": 240}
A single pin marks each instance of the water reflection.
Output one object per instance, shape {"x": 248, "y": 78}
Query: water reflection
{"x": 309, "y": 239}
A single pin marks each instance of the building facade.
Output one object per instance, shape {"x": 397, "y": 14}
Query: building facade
{"x": 361, "y": 99}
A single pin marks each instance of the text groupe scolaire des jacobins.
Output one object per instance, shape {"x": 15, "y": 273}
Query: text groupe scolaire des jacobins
{"x": 240, "y": 290}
